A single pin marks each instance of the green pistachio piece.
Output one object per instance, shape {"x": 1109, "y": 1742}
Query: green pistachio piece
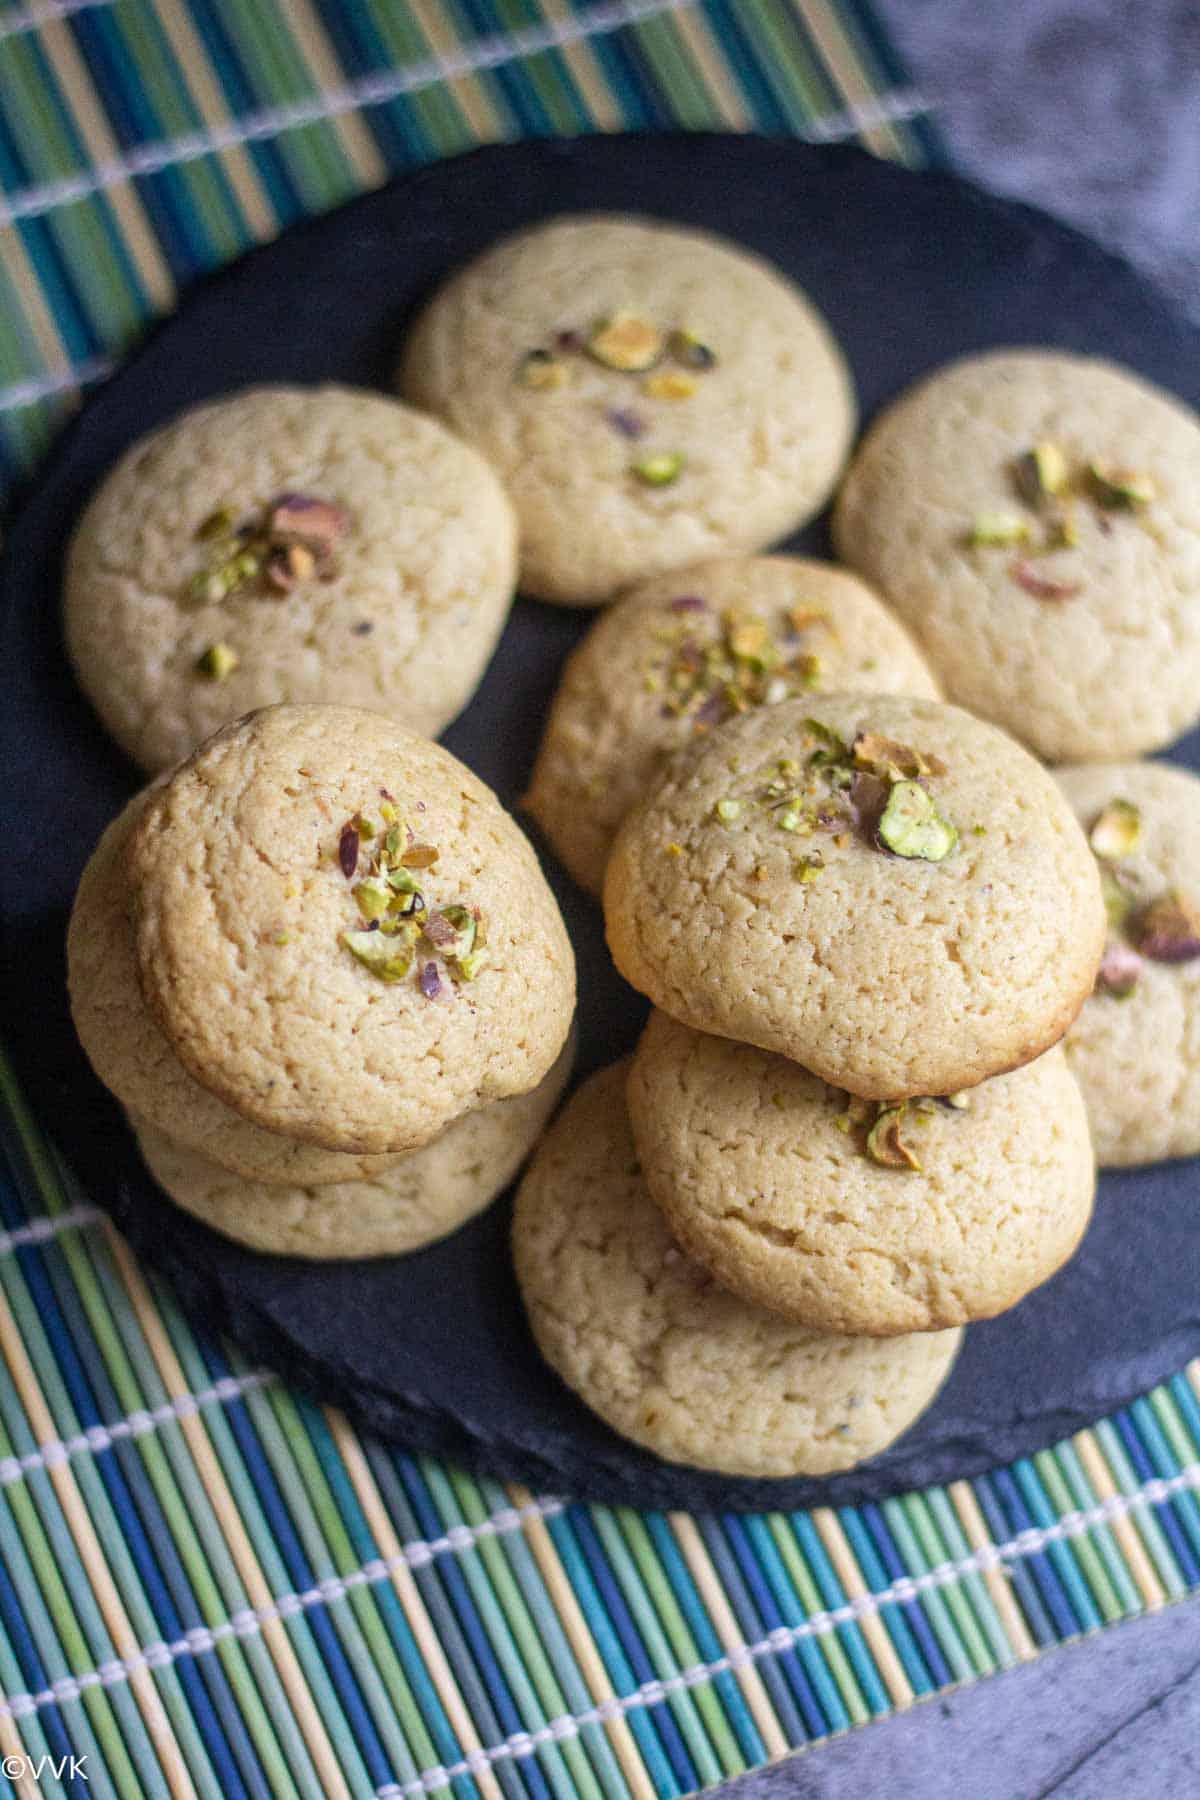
{"x": 373, "y": 896}
{"x": 218, "y": 661}
{"x": 1119, "y": 898}
{"x": 1040, "y": 474}
{"x": 1116, "y": 830}
{"x": 886, "y": 1145}
{"x": 727, "y": 810}
{"x": 790, "y": 819}
{"x": 1118, "y": 490}
{"x": 830, "y": 747}
{"x": 627, "y": 343}
{"x": 659, "y": 469}
{"x": 469, "y": 966}
{"x": 991, "y": 528}
{"x": 1168, "y": 930}
{"x": 542, "y": 372}
{"x": 401, "y": 881}
{"x": 960, "y": 1101}
{"x": 911, "y": 825}
{"x": 218, "y": 524}
{"x": 807, "y": 868}
{"x": 452, "y": 931}
{"x": 691, "y": 351}
{"x": 388, "y": 955}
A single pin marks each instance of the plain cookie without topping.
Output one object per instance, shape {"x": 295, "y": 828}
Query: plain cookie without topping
{"x": 680, "y": 654}
{"x": 648, "y": 1340}
{"x": 258, "y": 871}
{"x": 752, "y": 894}
{"x": 128, "y": 1051}
{"x": 1075, "y": 622}
{"x": 407, "y": 563}
{"x": 648, "y": 395}
{"x": 1135, "y": 1047}
{"x": 766, "y": 1177}
{"x": 423, "y": 1196}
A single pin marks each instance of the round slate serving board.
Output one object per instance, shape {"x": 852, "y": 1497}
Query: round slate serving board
{"x": 910, "y": 270}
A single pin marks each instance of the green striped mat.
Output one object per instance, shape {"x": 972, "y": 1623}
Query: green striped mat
{"x": 209, "y": 1584}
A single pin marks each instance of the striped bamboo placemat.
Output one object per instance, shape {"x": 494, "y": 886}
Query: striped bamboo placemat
{"x": 209, "y": 1584}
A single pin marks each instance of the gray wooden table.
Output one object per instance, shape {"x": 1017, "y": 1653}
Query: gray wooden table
{"x": 1092, "y": 109}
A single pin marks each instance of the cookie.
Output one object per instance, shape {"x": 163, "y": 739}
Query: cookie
{"x": 127, "y": 1049}
{"x": 1035, "y": 517}
{"x": 649, "y": 396}
{"x": 850, "y": 1217}
{"x": 678, "y": 656}
{"x": 667, "y": 1358}
{"x": 886, "y": 890}
{"x": 342, "y": 933}
{"x": 421, "y": 1197}
{"x": 287, "y": 544}
{"x": 1135, "y": 1047}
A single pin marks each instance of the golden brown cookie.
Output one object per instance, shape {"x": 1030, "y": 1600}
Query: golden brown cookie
{"x": 886, "y": 890}
{"x": 342, "y": 933}
{"x": 650, "y": 1342}
{"x": 848, "y": 1216}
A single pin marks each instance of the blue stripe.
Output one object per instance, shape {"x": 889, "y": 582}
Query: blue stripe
{"x": 1019, "y": 1519}
{"x": 1062, "y": 1556}
{"x": 1166, "y": 1464}
{"x": 833, "y": 1595}
{"x": 777, "y": 1605}
{"x": 914, "y": 1612}
{"x": 773, "y": 1677}
{"x": 1163, "y": 1511}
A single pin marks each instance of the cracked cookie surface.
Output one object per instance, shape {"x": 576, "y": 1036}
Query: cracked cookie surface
{"x": 1137, "y": 1057}
{"x": 1103, "y": 662}
{"x": 761, "y": 432}
{"x": 666, "y": 1357}
{"x": 765, "y": 1178}
{"x": 241, "y": 902}
{"x": 658, "y": 671}
{"x": 421, "y": 1197}
{"x": 402, "y": 616}
{"x": 784, "y": 923}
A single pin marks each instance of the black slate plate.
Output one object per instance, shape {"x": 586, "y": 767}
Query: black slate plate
{"x": 910, "y": 269}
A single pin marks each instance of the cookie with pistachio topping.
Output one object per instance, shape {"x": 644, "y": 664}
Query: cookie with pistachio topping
{"x": 677, "y": 657}
{"x": 287, "y": 544}
{"x": 649, "y": 396}
{"x": 887, "y": 890}
{"x": 1135, "y": 1047}
{"x": 664, "y": 1355}
{"x": 341, "y": 932}
{"x": 414, "y": 1200}
{"x": 869, "y": 1217}
{"x": 1035, "y": 518}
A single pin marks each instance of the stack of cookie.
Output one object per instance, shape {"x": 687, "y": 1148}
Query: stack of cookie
{"x": 320, "y": 967}
{"x": 865, "y": 923}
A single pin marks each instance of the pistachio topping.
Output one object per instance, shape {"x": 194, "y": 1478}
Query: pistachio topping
{"x": 217, "y": 662}
{"x": 389, "y": 956}
{"x": 691, "y": 351}
{"x": 728, "y": 810}
{"x": 911, "y": 825}
{"x": 399, "y": 921}
{"x": 886, "y": 1144}
{"x": 669, "y": 384}
{"x": 884, "y": 757}
{"x": 1168, "y": 929}
{"x": 960, "y": 1100}
{"x": 747, "y": 664}
{"x": 807, "y": 868}
{"x": 627, "y": 343}
{"x": 1116, "y": 830}
{"x": 1118, "y": 490}
{"x": 539, "y": 370}
{"x": 1040, "y": 474}
{"x": 991, "y": 528}
{"x": 659, "y": 469}
{"x": 290, "y": 540}
{"x": 1119, "y": 971}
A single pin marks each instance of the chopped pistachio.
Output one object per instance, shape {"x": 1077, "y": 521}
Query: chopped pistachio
{"x": 387, "y": 812}
{"x": 1040, "y": 474}
{"x": 692, "y": 351}
{"x": 892, "y": 761}
{"x": 789, "y": 819}
{"x": 388, "y": 956}
{"x": 991, "y": 528}
{"x": 419, "y": 856}
{"x": 469, "y": 966}
{"x": 301, "y": 518}
{"x": 728, "y": 810}
{"x": 886, "y": 1145}
{"x": 1062, "y": 529}
{"x": 627, "y": 343}
{"x": 1119, "y": 972}
{"x": 1119, "y": 896}
{"x": 1168, "y": 930}
{"x": 831, "y": 749}
{"x": 807, "y": 868}
{"x": 373, "y": 896}
{"x": 1118, "y": 490}
{"x": 669, "y": 384}
{"x": 911, "y": 825}
{"x": 218, "y": 524}
{"x": 674, "y": 849}
{"x": 541, "y": 371}
{"x": 960, "y": 1100}
{"x": 1116, "y": 830}
{"x": 659, "y": 469}
{"x": 347, "y": 852}
{"x": 451, "y": 930}
{"x": 218, "y": 661}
